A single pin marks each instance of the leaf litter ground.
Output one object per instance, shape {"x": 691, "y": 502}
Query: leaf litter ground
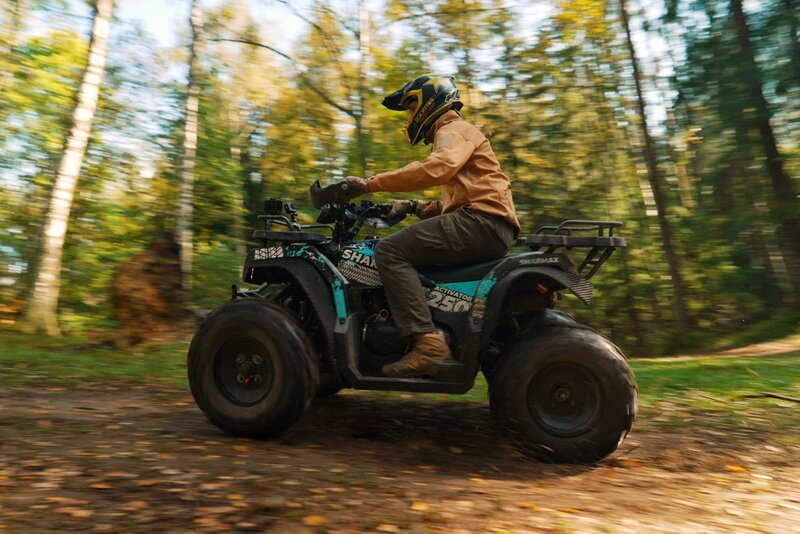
{"x": 130, "y": 458}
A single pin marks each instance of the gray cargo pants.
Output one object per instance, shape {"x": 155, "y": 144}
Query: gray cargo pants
{"x": 459, "y": 237}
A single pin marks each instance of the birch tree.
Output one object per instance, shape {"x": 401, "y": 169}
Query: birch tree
{"x": 41, "y": 313}
{"x": 185, "y": 199}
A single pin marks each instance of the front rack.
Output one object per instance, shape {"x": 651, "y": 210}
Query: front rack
{"x": 602, "y": 245}
{"x": 294, "y": 234}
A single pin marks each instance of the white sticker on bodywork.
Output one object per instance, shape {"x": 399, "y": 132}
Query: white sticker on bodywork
{"x": 268, "y": 253}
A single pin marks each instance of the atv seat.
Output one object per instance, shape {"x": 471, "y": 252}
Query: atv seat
{"x": 458, "y": 273}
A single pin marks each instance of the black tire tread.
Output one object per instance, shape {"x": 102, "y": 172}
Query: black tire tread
{"x": 302, "y": 365}
{"x": 509, "y": 367}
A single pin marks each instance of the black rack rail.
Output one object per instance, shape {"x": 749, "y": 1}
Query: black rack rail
{"x": 602, "y": 244}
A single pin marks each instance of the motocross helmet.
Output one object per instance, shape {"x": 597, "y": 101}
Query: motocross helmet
{"x": 434, "y": 95}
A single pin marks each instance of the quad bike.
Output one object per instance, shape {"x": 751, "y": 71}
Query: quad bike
{"x": 319, "y": 321}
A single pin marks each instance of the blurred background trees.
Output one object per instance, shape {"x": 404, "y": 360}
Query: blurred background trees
{"x": 552, "y": 85}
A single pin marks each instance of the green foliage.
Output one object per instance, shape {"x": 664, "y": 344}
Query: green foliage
{"x": 555, "y": 97}
{"x": 28, "y": 359}
{"x": 219, "y": 265}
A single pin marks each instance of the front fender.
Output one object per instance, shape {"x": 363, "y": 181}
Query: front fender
{"x": 308, "y": 278}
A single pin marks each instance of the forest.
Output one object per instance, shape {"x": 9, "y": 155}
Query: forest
{"x": 679, "y": 118}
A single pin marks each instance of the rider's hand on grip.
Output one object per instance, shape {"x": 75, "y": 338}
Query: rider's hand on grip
{"x": 401, "y": 207}
{"x": 353, "y": 187}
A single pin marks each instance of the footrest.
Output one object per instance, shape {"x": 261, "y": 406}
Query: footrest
{"x": 449, "y": 371}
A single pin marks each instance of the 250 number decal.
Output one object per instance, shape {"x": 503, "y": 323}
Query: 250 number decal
{"x": 447, "y": 303}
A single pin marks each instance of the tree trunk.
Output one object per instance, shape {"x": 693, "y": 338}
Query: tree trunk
{"x": 794, "y": 42}
{"x": 785, "y": 206}
{"x": 656, "y": 184}
{"x": 360, "y": 118}
{"x": 184, "y": 226}
{"x": 42, "y": 306}
{"x": 243, "y": 132}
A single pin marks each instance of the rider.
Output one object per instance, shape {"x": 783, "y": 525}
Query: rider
{"x": 475, "y": 220}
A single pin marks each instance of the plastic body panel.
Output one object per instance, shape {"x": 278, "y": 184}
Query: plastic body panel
{"x": 467, "y": 311}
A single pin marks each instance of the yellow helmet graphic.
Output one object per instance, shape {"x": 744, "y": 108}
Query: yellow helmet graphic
{"x": 434, "y": 94}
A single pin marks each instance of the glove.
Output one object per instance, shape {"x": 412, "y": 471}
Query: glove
{"x": 355, "y": 187}
{"x": 401, "y": 207}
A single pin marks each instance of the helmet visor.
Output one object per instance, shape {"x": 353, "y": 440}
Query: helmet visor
{"x": 395, "y": 100}
{"x": 414, "y": 96}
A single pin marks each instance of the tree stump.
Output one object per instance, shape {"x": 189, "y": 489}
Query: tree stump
{"x": 147, "y": 295}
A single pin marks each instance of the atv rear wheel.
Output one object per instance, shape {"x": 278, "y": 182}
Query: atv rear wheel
{"x": 252, "y": 368}
{"x": 565, "y": 393}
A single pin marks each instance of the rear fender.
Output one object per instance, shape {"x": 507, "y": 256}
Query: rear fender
{"x": 486, "y": 314}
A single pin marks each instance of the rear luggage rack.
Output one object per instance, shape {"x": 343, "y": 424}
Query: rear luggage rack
{"x": 602, "y": 245}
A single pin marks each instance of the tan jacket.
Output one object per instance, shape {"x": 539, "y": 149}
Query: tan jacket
{"x": 464, "y": 164}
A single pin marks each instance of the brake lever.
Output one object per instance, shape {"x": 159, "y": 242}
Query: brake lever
{"x": 382, "y": 220}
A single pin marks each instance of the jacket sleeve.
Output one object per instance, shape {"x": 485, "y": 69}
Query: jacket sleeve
{"x": 451, "y": 152}
{"x": 428, "y": 208}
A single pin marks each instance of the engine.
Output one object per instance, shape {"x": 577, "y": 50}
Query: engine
{"x": 381, "y": 336}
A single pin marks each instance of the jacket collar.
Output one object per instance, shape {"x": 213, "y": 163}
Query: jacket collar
{"x": 447, "y": 118}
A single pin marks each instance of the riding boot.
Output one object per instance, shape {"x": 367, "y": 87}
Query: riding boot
{"x": 429, "y": 349}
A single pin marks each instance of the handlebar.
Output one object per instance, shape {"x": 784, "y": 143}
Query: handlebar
{"x": 337, "y": 213}
{"x": 335, "y": 208}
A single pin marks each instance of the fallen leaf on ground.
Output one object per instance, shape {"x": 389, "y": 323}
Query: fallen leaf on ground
{"x": 214, "y": 486}
{"x": 132, "y": 506}
{"x": 735, "y": 468}
{"x": 273, "y": 502}
{"x": 118, "y": 474}
{"x": 75, "y": 512}
{"x": 314, "y": 520}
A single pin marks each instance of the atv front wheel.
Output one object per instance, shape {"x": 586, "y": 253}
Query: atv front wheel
{"x": 566, "y": 394}
{"x": 252, "y": 368}
{"x": 329, "y": 385}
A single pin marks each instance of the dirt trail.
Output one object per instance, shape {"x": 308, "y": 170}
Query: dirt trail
{"x": 767, "y": 348}
{"x": 132, "y": 459}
